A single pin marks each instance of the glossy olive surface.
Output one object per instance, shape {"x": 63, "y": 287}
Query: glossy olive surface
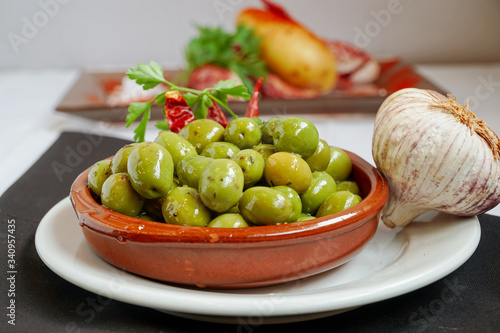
{"x": 322, "y": 186}
{"x": 190, "y": 168}
{"x": 296, "y": 135}
{"x": 118, "y": 195}
{"x": 119, "y": 161}
{"x": 98, "y": 174}
{"x": 288, "y": 169}
{"x": 229, "y": 220}
{"x": 243, "y": 132}
{"x": 151, "y": 170}
{"x": 177, "y": 146}
{"x": 264, "y": 206}
{"x": 183, "y": 206}
{"x": 319, "y": 160}
{"x": 221, "y": 185}
{"x": 220, "y": 149}
{"x": 201, "y": 132}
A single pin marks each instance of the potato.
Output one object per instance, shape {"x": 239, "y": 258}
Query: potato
{"x": 291, "y": 51}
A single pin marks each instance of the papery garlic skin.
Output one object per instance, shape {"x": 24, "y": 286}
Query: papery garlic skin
{"x": 431, "y": 160}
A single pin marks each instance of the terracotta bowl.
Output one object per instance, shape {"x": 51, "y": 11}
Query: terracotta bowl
{"x": 232, "y": 257}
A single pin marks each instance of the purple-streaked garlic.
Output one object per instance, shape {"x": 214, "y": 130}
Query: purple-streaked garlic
{"x": 435, "y": 155}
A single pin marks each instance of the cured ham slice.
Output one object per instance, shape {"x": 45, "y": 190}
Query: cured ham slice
{"x": 274, "y": 87}
{"x": 208, "y": 76}
{"x": 354, "y": 66}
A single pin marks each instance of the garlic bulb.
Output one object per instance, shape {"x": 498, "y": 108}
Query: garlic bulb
{"x": 435, "y": 155}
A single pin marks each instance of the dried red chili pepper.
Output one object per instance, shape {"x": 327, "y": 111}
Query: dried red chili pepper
{"x": 177, "y": 112}
{"x": 215, "y": 113}
{"x": 253, "y": 105}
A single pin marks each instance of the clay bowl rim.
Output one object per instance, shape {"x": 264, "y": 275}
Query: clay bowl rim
{"x": 102, "y": 220}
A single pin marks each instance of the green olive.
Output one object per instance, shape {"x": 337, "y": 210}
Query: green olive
{"x": 252, "y": 165}
{"x": 288, "y": 169}
{"x": 221, "y": 185}
{"x": 294, "y": 198}
{"x": 265, "y": 206}
{"x": 183, "y": 206}
{"x": 201, "y": 132}
{"x": 151, "y": 170}
{"x": 305, "y": 217}
{"x": 119, "y": 161}
{"x": 322, "y": 186}
{"x": 296, "y": 135}
{"x": 243, "y": 132}
{"x": 177, "y": 146}
{"x": 190, "y": 168}
{"x": 265, "y": 150}
{"x": 235, "y": 209}
{"x": 321, "y": 157}
{"x": 267, "y": 129}
{"x": 119, "y": 195}
{"x": 338, "y": 202}
{"x": 98, "y": 173}
{"x": 228, "y": 221}
{"x": 348, "y": 185}
{"x": 220, "y": 149}
{"x": 146, "y": 217}
{"x": 340, "y": 165}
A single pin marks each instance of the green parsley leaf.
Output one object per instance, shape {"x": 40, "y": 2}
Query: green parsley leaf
{"x": 202, "y": 106}
{"x": 148, "y": 75}
{"x": 226, "y": 84}
{"x": 162, "y": 125}
{"x": 135, "y": 110}
{"x": 212, "y": 46}
{"x": 140, "y": 130}
{"x": 239, "y": 52}
{"x": 160, "y": 99}
{"x": 258, "y": 120}
{"x": 191, "y": 99}
{"x": 219, "y": 96}
{"x": 228, "y": 87}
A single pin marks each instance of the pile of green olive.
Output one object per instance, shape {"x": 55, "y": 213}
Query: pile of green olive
{"x": 243, "y": 175}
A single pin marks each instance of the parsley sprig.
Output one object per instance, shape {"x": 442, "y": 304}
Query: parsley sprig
{"x": 149, "y": 76}
{"x": 239, "y": 52}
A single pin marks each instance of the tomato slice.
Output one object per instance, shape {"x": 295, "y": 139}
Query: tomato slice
{"x": 253, "y": 105}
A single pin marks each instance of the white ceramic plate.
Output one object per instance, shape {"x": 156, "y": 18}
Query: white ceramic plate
{"x": 395, "y": 262}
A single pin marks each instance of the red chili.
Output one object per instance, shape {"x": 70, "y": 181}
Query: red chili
{"x": 277, "y": 10}
{"x": 215, "y": 113}
{"x": 177, "y": 112}
{"x": 253, "y": 105}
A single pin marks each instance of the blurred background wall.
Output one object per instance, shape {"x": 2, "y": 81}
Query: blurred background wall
{"x": 113, "y": 33}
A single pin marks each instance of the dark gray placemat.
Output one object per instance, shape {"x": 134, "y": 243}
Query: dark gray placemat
{"x": 467, "y": 300}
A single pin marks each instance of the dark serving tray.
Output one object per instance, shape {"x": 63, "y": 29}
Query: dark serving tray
{"x": 88, "y": 95}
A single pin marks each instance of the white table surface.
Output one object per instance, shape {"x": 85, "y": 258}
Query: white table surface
{"x": 30, "y": 124}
